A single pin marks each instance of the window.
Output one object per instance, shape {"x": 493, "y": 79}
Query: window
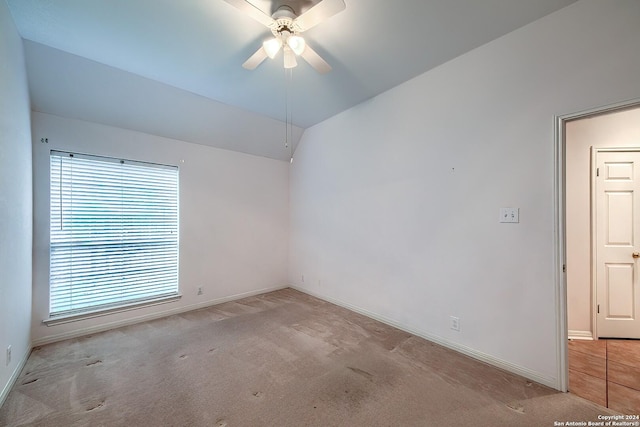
{"x": 113, "y": 233}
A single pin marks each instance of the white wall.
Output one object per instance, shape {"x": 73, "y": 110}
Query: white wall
{"x": 233, "y": 217}
{"x": 394, "y": 203}
{"x": 618, "y": 129}
{"x": 15, "y": 203}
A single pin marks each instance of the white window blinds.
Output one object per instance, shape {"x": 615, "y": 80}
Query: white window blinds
{"x": 113, "y": 233}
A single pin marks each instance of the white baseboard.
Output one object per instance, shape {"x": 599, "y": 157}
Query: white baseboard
{"x": 14, "y": 376}
{"x": 491, "y": 360}
{"x": 580, "y": 335}
{"x": 120, "y": 323}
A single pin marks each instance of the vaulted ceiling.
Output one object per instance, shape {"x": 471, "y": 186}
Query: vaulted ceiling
{"x": 173, "y": 68}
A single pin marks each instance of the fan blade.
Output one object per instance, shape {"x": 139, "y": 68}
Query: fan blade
{"x": 315, "y": 60}
{"x": 252, "y": 11}
{"x": 318, "y": 13}
{"x": 255, "y": 59}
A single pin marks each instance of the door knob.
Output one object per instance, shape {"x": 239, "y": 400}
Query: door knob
{"x": 636, "y": 254}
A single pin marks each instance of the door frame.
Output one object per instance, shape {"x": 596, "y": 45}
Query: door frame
{"x": 559, "y": 226}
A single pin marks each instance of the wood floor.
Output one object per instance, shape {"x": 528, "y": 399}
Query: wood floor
{"x": 606, "y": 372}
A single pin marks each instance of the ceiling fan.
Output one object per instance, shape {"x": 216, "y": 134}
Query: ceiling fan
{"x": 286, "y": 28}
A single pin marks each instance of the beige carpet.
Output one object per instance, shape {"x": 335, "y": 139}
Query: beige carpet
{"x": 279, "y": 359}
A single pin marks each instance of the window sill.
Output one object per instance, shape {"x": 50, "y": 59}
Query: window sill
{"x": 68, "y": 318}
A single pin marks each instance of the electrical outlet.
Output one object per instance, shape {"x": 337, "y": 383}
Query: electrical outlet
{"x": 200, "y": 290}
{"x": 8, "y": 355}
{"x": 455, "y": 323}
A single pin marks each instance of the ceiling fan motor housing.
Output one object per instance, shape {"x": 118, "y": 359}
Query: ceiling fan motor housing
{"x": 284, "y": 18}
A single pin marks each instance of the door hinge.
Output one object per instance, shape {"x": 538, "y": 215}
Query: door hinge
{"x": 564, "y": 268}
{"x": 597, "y": 171}
{"x": 598, "y": 308}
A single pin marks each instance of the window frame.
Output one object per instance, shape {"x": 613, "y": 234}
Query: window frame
{"x": 126, "y": 304}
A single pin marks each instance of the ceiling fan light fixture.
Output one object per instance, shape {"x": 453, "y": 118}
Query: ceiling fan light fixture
{"x": 289, "y": 58}
{"x": 272, "y": 47}
{"x": 297, "y": 44}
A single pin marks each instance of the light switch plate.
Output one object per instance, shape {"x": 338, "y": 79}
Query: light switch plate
{"x": 509, "y": 215}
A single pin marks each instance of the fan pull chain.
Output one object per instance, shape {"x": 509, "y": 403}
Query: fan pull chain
{"x": 288, "y": 73}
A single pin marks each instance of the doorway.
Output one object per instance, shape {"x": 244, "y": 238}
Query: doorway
{"x": 587, "y": 138}
{"x": 586, "y": 141}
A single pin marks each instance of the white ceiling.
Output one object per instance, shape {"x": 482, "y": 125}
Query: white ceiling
{"x": 173, "y": 68}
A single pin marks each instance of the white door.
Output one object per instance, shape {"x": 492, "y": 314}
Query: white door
{"x": 617, "y": 211}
